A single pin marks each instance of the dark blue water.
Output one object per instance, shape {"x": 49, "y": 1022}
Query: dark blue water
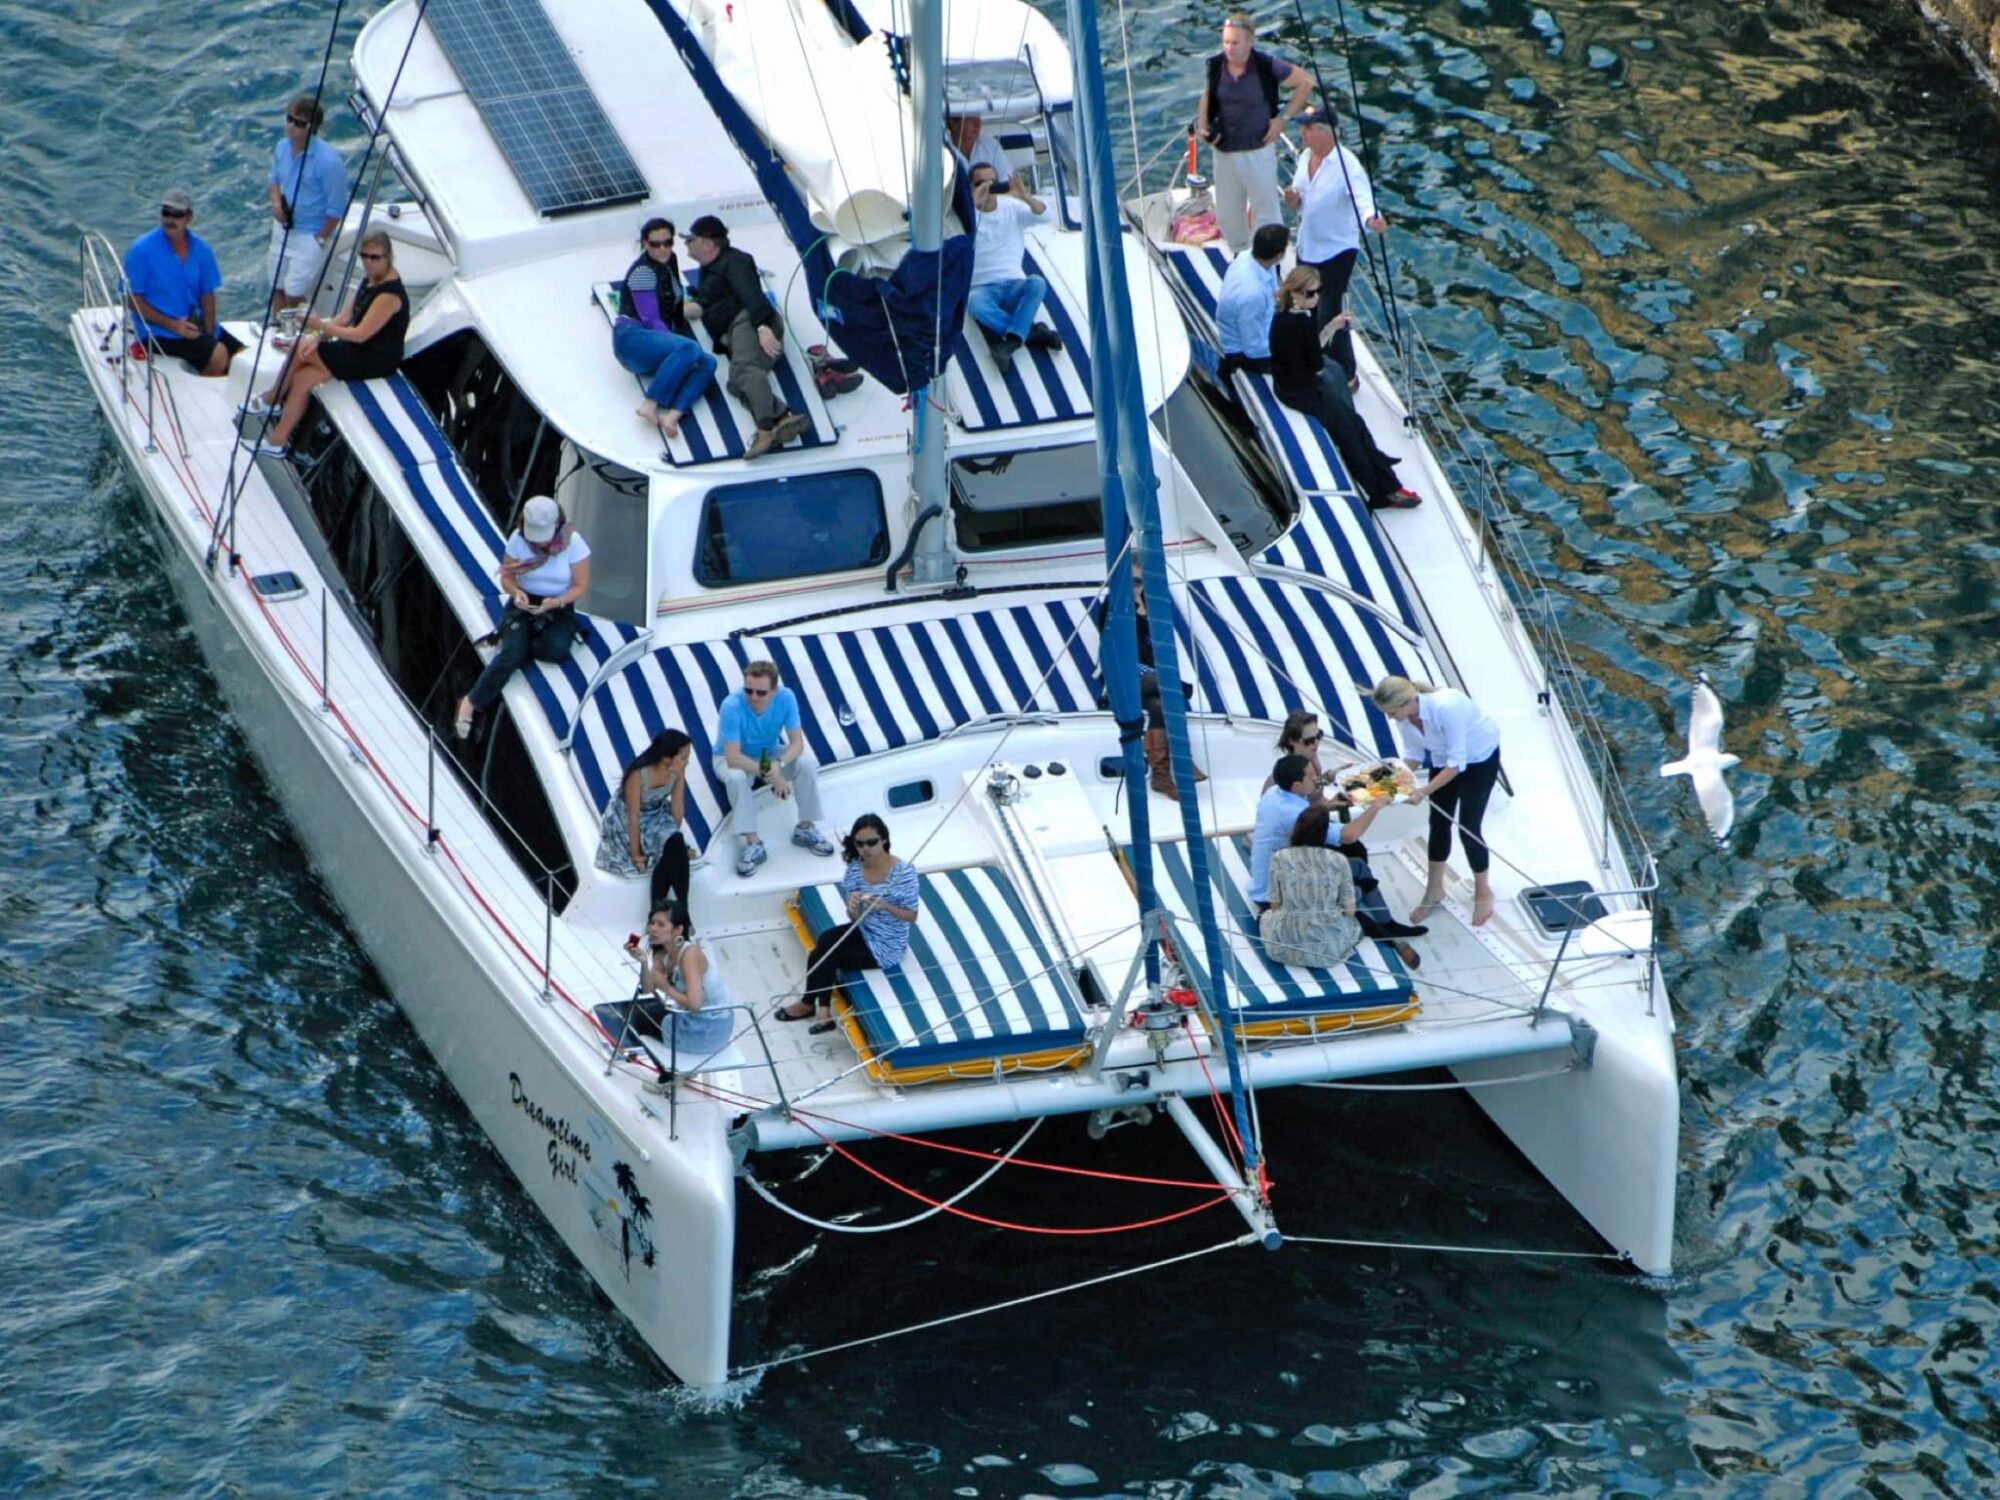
{"x": 1722, "y": 285}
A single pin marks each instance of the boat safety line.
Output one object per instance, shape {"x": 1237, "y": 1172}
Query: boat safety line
{"x": 1313, "y": 1239}
{"x": 807, "y": 1116}
{"x": 993, "y": 1307}
{"x": 764, "y": 1192}
{"x": 1222, "y": 1114}
{"x": 243, "y": 575}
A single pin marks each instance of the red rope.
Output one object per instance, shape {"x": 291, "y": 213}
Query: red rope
{"x": 949, "y": 1149}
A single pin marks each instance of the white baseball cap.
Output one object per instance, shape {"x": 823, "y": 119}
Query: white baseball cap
{"x": 539, "y": 519}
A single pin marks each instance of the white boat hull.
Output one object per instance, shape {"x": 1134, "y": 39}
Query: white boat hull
{"x": 670, "y": 1270}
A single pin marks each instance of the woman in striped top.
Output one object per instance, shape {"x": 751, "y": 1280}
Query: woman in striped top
{"x": 882, "y": 906}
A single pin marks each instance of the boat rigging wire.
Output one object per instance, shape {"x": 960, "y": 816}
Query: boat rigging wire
{"x": 226, "y": 514}
{"x": 993, "y": 1307}
{"x": 1382, "y": 277}
{"x": 1320, "y": 1239}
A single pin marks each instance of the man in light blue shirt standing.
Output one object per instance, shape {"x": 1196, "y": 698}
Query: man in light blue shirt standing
{"x": 308, "y": 188}
{"x": 763, "y": 743}
{"x": 1247, "y": 303}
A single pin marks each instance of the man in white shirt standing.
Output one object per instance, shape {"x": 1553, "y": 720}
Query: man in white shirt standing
{"x": 1005, "y": 298}
{"x": 1335, "y": 202}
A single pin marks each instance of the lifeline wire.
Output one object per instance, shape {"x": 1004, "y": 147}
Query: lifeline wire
{"x": 959, "y": 1317}
{"x": 1315, "y": 1239}
{"x": 967, "y": 1191}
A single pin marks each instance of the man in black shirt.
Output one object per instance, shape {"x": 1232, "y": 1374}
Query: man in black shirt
{"x": 744, "y": 326}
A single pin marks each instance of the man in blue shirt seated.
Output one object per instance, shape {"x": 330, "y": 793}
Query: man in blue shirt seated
{"x": 764, "y": 744}
{"x": 308, "y": 189}
{"x": 170, "y": 284}
{"x": 1247, "y": 303}
{"x": 1278, "y": 814}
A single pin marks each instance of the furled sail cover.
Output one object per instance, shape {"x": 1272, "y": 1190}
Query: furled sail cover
{"x": 828, "y": 105}
{"x": 900, "y": 327}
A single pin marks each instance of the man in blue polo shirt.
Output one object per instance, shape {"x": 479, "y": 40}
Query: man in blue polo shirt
{"x": 764, "y": 744}
{"x": 170, "y": 284}
{"x": 308, "y": 188}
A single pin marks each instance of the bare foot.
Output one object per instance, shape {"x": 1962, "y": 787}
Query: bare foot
{"x": 649, "y": 411}
{"x": 1431, "y": 902}
{"x": 1482, "y": 910}
{"x": 670, "y": 423}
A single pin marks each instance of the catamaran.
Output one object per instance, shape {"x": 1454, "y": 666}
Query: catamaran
{"x": 941, "y": 569}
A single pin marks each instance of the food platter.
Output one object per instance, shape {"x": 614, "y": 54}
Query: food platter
{"x": 1385, "y": 781}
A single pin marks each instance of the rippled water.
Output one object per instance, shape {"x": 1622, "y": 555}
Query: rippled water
{"x": 1720, "y": 282}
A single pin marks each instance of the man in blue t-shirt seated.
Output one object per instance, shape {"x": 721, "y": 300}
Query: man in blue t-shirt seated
{"x": 764, "y": 744}
{"x": 170, "y": 284}
{"x": 1278, "y": 814}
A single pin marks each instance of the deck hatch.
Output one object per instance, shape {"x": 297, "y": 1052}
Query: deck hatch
{"x": 520, "y": 76}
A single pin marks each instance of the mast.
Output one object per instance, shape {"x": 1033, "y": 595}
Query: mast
{"x": 1131, "y": 506}
{"x": 928, "y": 482}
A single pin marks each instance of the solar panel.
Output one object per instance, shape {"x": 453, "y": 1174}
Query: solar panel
{"x": 522, "y": 80}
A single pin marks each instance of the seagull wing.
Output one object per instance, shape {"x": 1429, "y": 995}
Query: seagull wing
{"x": 1704, "y": 721}
{"x": 1718, "y": 803}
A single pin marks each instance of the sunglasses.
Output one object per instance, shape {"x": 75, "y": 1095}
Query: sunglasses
{"x": 174, "y": 213}
{"x": 757, "y": 692}
{"x": 1310, "y": 739}
{"x": 295, "y": 120}
{"x": 374, "y": 255}
{"x": 1312, "y": 296}
{"x": 665, "y": 244}
{"x": 868, "y": 843}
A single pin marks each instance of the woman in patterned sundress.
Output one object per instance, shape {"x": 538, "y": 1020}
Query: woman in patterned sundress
{"x": 1311, "y": 921}
{"x": 641, "y": 828}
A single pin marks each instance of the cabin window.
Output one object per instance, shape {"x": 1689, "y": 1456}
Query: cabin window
{"x": 1027, "y": 499}
{"x": 911, "y": 794}
{"x": 791, "y": 528}
{"x": 1221, "y": 453}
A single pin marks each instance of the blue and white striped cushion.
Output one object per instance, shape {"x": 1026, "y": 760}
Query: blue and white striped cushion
{"x": 720, "y": 427}
{"x": 1334, "y": 536}
{"x": 977, "y": 983}
{"x": 872, "y": 689}
{"x": 1043, "y": 386}
{"x": 1372, "y": 974}
{"x": 459, "y": 519}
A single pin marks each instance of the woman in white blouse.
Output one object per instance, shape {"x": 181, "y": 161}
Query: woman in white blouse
{"x": 1442, "y": 726}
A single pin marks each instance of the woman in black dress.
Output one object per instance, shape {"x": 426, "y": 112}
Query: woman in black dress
{"x": 365, "y": 342}
{"x": 1298, "y": 375}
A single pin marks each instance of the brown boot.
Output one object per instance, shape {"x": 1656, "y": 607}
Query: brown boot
{"x": 1161, "y": 762}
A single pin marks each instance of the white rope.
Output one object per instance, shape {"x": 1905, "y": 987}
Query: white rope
{"x": 959, "y": 1317}
{"x": 932, "y": 1212}
{"x": 1437, "y": 1088}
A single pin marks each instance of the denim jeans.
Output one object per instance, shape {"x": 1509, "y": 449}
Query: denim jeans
{"x": 523, "y": 638}
{"x": 676, "y": 370}
{"x": 1008, "y": 306}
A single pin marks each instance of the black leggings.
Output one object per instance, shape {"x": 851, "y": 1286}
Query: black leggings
{"x": 1465, "y": 794}
{"x": 838, "y": 948}
{"x": 670, "y": 873}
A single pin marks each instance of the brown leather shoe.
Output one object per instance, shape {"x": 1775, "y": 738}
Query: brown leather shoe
{"x": 765, "y": 440}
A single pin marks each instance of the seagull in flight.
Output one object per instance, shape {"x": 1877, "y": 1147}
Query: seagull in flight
{"x": 1706, "y": 761}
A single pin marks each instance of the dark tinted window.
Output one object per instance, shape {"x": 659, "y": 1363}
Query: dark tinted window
{"x": 789, "y": 528}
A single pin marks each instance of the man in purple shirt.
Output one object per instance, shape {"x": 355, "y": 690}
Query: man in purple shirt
{"x": 1240, "y": 116}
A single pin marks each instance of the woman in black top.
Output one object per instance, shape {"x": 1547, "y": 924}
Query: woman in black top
{"x": 1299, "y": 376}
{"x": 364, "y": 343}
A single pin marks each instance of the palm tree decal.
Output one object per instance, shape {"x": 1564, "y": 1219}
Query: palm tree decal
{"x": 641, "y": 1210}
